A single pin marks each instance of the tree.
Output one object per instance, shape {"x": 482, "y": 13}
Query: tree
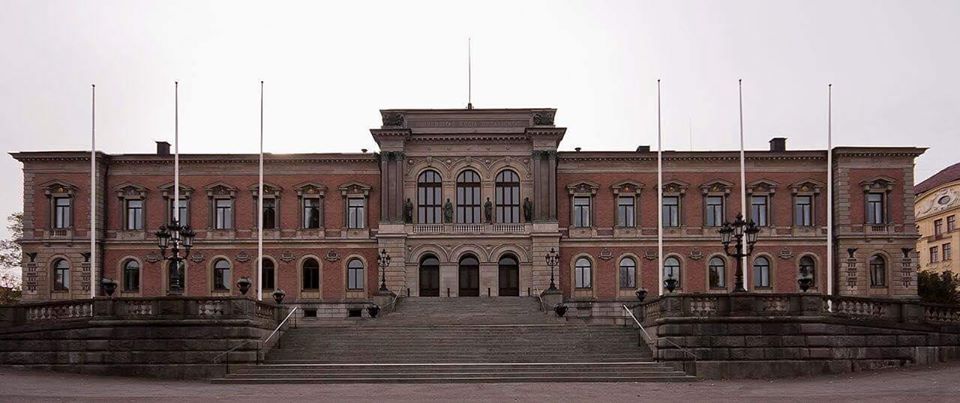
{"x": 939, "y": 288}
{"x": 11, "y": 256}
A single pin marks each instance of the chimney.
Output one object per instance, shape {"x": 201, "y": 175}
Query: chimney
{"x": 643, "y": 149}
{"x": 163, "y": 148}
{"x": 778, "y": 144}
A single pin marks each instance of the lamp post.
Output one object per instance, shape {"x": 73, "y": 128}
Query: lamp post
{"x": 175, "y": 237}
{"x": 383, "y": 261}
{"x": 552, "y": 260}
{"x": 736, "y": 231}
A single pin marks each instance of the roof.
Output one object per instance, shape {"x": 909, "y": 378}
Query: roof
{"x": 947, "y": 175}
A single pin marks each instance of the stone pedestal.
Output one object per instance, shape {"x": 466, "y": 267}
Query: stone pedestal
{"x": 383, "y": 299}
{"x": 551, "y": 298}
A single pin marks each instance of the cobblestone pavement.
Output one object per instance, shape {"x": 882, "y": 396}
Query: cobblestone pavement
{"x": 940, "y": 383}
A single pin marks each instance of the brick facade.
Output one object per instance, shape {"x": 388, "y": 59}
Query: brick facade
{"x": 487, "y": 142}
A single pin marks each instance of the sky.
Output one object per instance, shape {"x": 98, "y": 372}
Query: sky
{"x": 330, "y": 66}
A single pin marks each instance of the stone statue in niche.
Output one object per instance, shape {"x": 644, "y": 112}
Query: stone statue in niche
{"x": 448, "y": 212}
{"x": 527, "y": 209}
{"x": 488, "y": 211}
{"x": 408, "y": 212}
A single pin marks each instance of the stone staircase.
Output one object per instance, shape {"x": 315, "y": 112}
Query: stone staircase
{"x": 437, "y": 340}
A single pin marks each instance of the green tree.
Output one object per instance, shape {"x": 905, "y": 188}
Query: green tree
{"x": 11, "y": 256}
{"x": 940, "y": 288}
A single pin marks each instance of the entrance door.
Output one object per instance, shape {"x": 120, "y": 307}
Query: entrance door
{"x": 509, "y": 277}
{"x": 469, "y": 277}
{"x": 429, "y": 277}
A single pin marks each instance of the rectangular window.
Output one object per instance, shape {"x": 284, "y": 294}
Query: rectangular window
{"x": 934, "y": 254}
{"x": 311, "y": 213}
{"x": 938, "y": 227}
{"x": 270, "y": 213}
{"x": 671, "y": 211}
{"x": 628, "y": 276}
{"x": 223, "y": 217}
{"x": 355, "y": 216}
{"x": 951, "y": 223}
{"x": 355, "y": 278}
{"x": 581, "y": 212}
{"x": 803, "y": 211}
{"x": 714, "y": 211}
{"x": 626, "y": 212}
{"x": 875, "y": 209}
{"x": 184, "y": 218}
{"x": 134, "y": 215}
{"x": 61, "y": 213}
{"x": 758, "y": 210}
{"x": 947, "y": 252}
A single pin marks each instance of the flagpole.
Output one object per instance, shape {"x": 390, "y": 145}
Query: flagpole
{"x": 469, "y": 74}
{"x": 829, "y": 189}
{"x": 93, "y": 191}
{"x": 176, "y": 178}
{"x": 743, "y": 180}
{"x": 659, "y": 195}
{"x": 260, "y": 205}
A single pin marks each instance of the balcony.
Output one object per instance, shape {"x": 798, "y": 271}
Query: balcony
{"x": 469, "y": 229}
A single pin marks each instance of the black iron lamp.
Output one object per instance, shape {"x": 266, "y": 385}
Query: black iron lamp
{"x": 734, "y": 233}
{"x": 176, "y": 237}
{"x": 552, "y": 261}
{"x": 383, "y": 261}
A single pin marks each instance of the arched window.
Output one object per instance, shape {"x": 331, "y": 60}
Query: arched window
{"x": 311, "y": 274}
{"x": 761, "y": 272}
{"x": 131, "y": 275}
{"x": 221, "y": 275}
{"x": 468, "y": 197}
{"x": 878, "y": 271}
{"x": 61, "y": 275}
{"x": 429, "y": 200}
{"x": 808, "y": 268}
{"x": 628, "y": 273}
{"x": 355, "y": 274}
{"x": 508, "y": 197}
{"x": 716, "y": 272}
{"x": 671, "y": 269}
{"x": 582, "y": 273}
{"x": 269, "y": 274}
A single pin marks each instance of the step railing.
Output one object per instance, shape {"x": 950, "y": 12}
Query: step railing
{"x": 651, "y": 342}
{"x": 260, "y": 343}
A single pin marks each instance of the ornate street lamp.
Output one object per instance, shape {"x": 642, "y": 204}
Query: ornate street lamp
{"x": 383, "y": 261}
{"x": 175, "y": 237}
{"x": 736, "y": 231}
{"x": 552, "y": 261}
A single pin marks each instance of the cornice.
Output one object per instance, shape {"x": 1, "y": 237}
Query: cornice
{"x": 152, "y": 159}
{"x": 690, "y": 156}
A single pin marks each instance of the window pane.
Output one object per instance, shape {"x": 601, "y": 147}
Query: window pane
{"x": 671, "y": 211}
{"x": 581, "y": 211}
{"x": 268, "y": 274}
{"x": 714, "y": 211}
{"x": 759, "y": 210}
{"x": 626, "y": 213}
{"x": 356, "y": 218}
{"x": 628, "y": 273}
{"x": 131, "y": 276}
{"x": 224, "y": 214}
{"x": 716, "y": 273}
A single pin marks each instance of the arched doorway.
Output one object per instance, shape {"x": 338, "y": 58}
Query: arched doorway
{"x": 429, "y": 276}
{"x": 509, "y": 276}
{"x": 469, "y": 276}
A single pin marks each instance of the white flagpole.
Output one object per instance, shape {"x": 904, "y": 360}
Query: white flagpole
{"x": 829, "y": 189}
{"x": 93, "y": 191}
{"x": 260, "y": 206}
{"x": 176, "y": 171}
{"x": 659, "y": 195}
{"x": 743, "y": 182}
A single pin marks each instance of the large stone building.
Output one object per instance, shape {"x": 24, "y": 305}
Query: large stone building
{"x": 468, "y": 203}
{"x": 937, "y": 210}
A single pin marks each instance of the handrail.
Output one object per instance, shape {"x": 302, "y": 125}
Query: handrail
{"x": 650, "y": 340}
{"x": 396, "y": 297}
{"x": 226, "y": 362}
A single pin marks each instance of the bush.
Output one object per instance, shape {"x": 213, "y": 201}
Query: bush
{"x": 939, "y": 288}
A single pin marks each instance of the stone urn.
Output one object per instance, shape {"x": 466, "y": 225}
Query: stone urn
{"x": 109, "y": 285}
{"x": 560, "y": 309}
{"x": 642, "y": 294}
{"x": 373, "y": 310}
{"x": 670, "y": 284}
{"x": 805, "y": 282}
{"x": 244, "y": 285}
{"x": 278, "y": 296}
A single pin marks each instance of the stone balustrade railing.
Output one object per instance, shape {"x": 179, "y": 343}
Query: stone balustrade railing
{"x": 701, "y": 305}
{"x": 499, "y": 228}
{"x": 139, "y": 308}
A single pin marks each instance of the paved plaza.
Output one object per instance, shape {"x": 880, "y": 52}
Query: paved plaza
{"x": 940, "y": 383}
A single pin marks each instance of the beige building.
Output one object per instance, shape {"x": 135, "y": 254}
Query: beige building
{"x": 938, "y": 210}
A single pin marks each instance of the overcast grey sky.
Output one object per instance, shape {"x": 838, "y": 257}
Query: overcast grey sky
{"x": 330, "y": 66}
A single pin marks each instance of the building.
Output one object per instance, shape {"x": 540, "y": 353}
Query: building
{"x": 469, "y": 203}
{"x": 937, "y": 210}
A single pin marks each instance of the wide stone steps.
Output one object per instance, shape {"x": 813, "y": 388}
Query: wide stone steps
{"x": 456, "y": 373}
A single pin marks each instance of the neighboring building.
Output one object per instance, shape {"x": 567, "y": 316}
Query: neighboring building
{"x": 937, "y": 210}
{"x": 469, "y": 202}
